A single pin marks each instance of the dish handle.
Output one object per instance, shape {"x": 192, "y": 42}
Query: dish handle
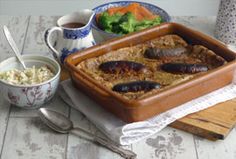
{"x": 48, "y": 39}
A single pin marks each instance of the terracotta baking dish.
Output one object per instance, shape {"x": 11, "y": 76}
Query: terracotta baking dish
{"x": 141, "y": 109}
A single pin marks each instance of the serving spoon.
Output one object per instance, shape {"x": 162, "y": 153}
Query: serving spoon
{"x": 60, "y": 123}
{"x": 13, "y": 45}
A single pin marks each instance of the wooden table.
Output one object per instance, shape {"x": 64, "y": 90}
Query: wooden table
{"x": 24, "y": 136}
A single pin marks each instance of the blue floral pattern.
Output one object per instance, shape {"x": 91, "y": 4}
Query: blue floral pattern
{"x": 65, "y": 52}
{"x": 76, "y": 34}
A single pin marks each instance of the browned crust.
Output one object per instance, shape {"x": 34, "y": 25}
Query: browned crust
{"x": 195, "y": 54}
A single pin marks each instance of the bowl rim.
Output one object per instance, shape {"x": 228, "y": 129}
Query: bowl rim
{"x": 104, "y": 4}
{"x": 34, "y": 85}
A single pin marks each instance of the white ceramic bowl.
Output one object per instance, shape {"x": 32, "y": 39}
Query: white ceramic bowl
{"x": 32, "y": 96}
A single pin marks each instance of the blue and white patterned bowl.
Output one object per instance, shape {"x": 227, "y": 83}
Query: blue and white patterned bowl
{"x": 101, "y": 35}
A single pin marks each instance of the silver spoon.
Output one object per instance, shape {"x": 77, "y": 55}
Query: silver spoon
{"x": 13, "y": 45}
{"x": 62, "y": 124}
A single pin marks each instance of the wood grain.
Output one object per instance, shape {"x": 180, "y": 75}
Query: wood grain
{"x": 4, "y": 116}
{"x": 34, "y": 43}
{"x": 30, "y": 138}
{"x": 17, "y": 25}
{"x": 213, "y": 123}
{"x": 167, "y": 144}
{"x": 217, "y": 150}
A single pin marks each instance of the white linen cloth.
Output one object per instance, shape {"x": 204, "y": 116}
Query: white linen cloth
{"x": 128, "y": 133}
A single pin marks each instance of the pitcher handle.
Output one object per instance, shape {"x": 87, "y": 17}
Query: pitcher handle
{"x": 47, "y": 38}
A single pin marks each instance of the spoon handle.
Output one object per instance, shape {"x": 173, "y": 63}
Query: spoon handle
{"x": 127, "y": 154}
{"x": 13, "y": 45}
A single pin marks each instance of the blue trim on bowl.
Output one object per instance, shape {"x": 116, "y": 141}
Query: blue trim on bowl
{"x": 101, "y": 8}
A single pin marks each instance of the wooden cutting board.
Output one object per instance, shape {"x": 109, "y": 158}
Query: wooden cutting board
{"x": 213, "y": 123}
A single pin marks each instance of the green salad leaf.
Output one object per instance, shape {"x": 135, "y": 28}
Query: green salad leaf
{"x": 148, "y": 23}
{"x": 106, "y": 21}
{"x": 124, "y": 24}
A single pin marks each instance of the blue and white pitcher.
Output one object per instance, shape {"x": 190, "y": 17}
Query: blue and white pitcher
{"x": 74, "y": 34}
